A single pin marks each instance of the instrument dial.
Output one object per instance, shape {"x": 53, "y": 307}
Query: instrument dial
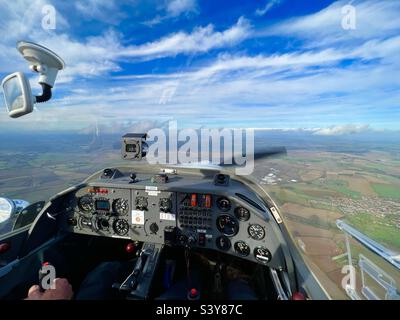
{"x": 256, "y": 232}
{"x": 227, "y": 225}
{"x": 141, "y": 203}
{"x": 165, "y": 204}
{"x": 121, "y": 206}
{"x": 223, "y": 243}
{"x": 223, "y": 204}
{"x": 242, "y": 214}
{"x": 262, "y": 255}
{"x": 102, "y": 224}
{"x": 242, "y": 248}
{"x": 86, "y": 203}
{"x": 121, "y": 227}
{"x": 85, "y": 222}
{"x": 154, "y": 228}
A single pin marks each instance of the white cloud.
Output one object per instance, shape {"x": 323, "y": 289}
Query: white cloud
{"x": 202, "y": 39}
{"x": 23, "y": 18}
{"x": 373, "y": 19}
{"x": 228, "y": 63}
{"x": 297, "y": 87}
{"x": 94, "y": 56}
{"x": 153, "y": 22}
{"x": 103, "y": 10}
{"x": 308, "y": 86}
{"x": 342, "y": 130}
{"x": 177, "y": 7}
{"x": 287, "y": 64}
{"x": 174, "y": 9}
{"x": 267, "y": 7}
{"x": 99, "y": 55}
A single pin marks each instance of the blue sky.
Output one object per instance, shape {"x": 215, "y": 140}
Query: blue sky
{"x": 275, "y": 64}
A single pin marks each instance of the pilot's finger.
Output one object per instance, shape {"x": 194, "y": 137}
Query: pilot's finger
{"x": 62, "y": 285}
{"x": 33, "y": 289}
{"x": 34, "y": 293}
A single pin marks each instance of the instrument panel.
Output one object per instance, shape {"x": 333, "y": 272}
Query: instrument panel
{"x": 187, "y": 211}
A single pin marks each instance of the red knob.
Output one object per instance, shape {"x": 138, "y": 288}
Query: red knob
{"x": 298, "y": 296}
{"x": 4, "y": 247}
{"x": 130, "y": 247}
{"x": 193, "y": 292}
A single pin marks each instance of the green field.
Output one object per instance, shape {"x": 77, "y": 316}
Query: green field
{"x": 342, "y": 187}
{"x": 379, "y": 229}
{"x": 386, "y": 190}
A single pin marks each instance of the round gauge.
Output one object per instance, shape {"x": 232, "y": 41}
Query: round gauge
{"x": 121, "y": 206}
{"x": 242, "y": 248}
{"x": 242, "y": 214}
{"x": 256, "y": 232}
{"x": 165, "y": 204}
{"x": 262, "y": 255}
{"x": 121, "y": 227}
{"x": 227, "y": 225}
{"x": 85, "y": 222}
{"x": 223, "y": 243}
{"x": 141, "y": 203}
{"x": 102, "y": 224}
{"x": 224, "y": 204}
{"x": 86, "y": 203}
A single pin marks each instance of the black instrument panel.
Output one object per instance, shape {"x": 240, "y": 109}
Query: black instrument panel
{"x": 200, "y": 218}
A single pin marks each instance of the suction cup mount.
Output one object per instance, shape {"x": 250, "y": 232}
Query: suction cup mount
{"x": 41, "y": 60}
{"x": 16, "y": 87}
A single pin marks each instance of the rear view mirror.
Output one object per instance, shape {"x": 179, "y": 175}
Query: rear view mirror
{"x": 17, "y": 94}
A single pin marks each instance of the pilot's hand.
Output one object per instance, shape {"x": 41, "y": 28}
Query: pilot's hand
{"x": 62, "y": 291}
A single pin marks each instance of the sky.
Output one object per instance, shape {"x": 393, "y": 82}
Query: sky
{"x": 274, "y": 64}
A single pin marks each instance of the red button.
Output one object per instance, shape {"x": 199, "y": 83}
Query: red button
{"x": 298, "y": 296}
{"x": 130, "y": 247}
{"x": 4, "y": 247}
{"x": 193, "y": 292}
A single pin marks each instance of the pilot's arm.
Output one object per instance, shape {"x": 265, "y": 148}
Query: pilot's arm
{"x": 62, "y": 291}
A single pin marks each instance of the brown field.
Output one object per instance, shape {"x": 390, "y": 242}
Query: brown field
{"x": 305, "y": 230}
{"x": 315, "y": 246}
{"x": 359, "y": 184}
{"x": 325, "y": 263}
{"x": 311, "y": 175}
{"x": 307, "y": 212}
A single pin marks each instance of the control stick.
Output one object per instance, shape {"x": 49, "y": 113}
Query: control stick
{"x": 131, "y": 281}
{"x": 137, "y": 285}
